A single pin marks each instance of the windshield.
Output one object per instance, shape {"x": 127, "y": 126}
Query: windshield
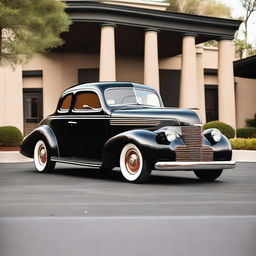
{"x": 131, "y": 96}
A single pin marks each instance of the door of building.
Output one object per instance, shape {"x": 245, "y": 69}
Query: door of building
{"x": 170, "y": 87}
{"x": 88, "y": 75}
{"x": 32, "y": 108}
{"x": 211, "y": 102}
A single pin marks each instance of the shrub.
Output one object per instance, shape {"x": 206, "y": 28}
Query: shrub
{"x": 251, "y": 122}
{"x": 10, "y": 136}
{"x": 226, "y": 129}
{"x": 247, "y": 144}
{"x": 247, "y": 132}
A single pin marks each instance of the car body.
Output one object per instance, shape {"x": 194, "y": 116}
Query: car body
{"x": 123, "y": 124}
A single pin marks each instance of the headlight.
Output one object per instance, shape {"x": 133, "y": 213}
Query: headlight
{"x": 216, "y": 135}
{"x": 171, "y": 135}
{"x": 168, "y": 134}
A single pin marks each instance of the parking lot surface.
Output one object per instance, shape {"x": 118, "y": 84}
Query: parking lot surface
{"x": 76, "y": 191}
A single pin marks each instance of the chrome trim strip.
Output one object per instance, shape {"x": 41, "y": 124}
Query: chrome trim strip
{"x": 169, "y": 166}
{"x": 76, "y": 163}
{"x": 135, "y": 123}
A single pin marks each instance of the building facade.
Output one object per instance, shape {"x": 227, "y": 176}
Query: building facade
{"x": 131, "y": 41}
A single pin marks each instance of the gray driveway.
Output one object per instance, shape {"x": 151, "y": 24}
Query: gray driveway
{"x": 77, "y": 211}
{"x": 76, "y": 191}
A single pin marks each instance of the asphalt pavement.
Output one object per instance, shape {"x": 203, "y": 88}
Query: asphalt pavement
{"x": 77, "y": 191}
{"x": 78, "y": 211}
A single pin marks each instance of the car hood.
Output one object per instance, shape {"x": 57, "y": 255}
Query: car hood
{"x": 177, "y": 115}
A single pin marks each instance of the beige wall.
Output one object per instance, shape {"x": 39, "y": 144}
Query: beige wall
{"x": 11, "y": 106}
{"x": 245, "y": 100}
{"x": 60, "y": 71}
{"x": 210, "y": 58}
{"x": 170, "y": 63}
{"x": 129, "y": 69}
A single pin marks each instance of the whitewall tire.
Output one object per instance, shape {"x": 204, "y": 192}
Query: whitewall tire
{"x": 132, "y": 164}
{"x": 42, "y": 157}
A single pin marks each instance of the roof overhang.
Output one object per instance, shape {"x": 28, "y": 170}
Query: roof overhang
{"x": 245, "y": 67}
{"x": 132, "y": 21}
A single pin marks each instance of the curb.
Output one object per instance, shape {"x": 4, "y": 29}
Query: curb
{"x": 13, "y": 157}
{"x": 244, "y": 155}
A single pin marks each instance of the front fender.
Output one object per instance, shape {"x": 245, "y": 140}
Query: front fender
{"x": 43, "y": 132}
{"x": 222, "y": 149}
{"x": 145, "y": 140}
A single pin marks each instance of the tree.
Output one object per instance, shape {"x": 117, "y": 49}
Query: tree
{"x": 250, "y": 7}
{"x": 28, "y": 27}
{"x": 200, "y": 7}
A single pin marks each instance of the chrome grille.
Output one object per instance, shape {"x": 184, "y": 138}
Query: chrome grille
{"x": 193, "y": 150}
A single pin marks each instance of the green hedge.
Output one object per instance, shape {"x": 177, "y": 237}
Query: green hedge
{"x": 226, "y": 129}
{"x": 10, "y": 136}
{"x": 247, "y": 132}
{"x": 246, "y": 144}
{"x": 251, "y": 122}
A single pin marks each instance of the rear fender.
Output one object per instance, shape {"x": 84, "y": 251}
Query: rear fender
{"x": 43, "y": 132}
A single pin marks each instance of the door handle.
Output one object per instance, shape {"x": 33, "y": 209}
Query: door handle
{"x": 72, "y": 122}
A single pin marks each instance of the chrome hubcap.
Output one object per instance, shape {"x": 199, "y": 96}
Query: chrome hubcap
{"x": 132, "y": 161}
{"x": 42, "y": 154}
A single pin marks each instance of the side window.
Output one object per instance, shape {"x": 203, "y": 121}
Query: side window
{"x": 66, "y": 103}
{"x": 87, "y": 101}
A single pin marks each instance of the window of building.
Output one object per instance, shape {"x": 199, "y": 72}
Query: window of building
{"x": 211, "y": 102}
{"x": 33, "y": 108}
{"x": 66, "y": 103}
{"x": 88, "y": 75}
{"x": 87, "y": 101}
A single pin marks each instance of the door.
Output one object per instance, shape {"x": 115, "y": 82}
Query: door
{"x": 61, "y": 127}
{"x": 88, "y": 126}
{"x": 170, "y": 87}
{"x": 88, "y": 75}
{"x": 33, "y": 109}
{"x": 211, "y": 102}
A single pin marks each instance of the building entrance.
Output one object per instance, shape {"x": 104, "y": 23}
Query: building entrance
{"x": 32, "y": 108}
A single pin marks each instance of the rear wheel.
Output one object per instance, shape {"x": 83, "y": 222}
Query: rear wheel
{"x": 208, "y": 175}
{"x": 42, "y": 157}
{"x": 133, "y": 166}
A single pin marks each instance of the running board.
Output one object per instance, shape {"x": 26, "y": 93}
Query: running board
{"x": 77, "y": 161}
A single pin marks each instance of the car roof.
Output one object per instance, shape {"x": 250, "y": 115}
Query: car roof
{"x": 102, "y": 86}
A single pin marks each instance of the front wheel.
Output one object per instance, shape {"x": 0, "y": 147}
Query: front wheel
{"x": 133, "y": 166}
{"x": 42, "y": 157}
{"x": 208, "y": 175}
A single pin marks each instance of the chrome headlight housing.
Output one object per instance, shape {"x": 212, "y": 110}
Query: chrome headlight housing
{"x": 170, "y": 133}
{"x": 216, "y": 134}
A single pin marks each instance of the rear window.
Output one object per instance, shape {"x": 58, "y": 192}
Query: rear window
{"x": 66, "y": 103}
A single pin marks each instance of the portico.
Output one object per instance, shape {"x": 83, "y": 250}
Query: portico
{"x": 109, "y": 42}
{"x": 160, "y": 35}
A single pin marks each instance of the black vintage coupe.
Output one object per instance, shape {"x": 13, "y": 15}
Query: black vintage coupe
{"x": 121, "y": 124}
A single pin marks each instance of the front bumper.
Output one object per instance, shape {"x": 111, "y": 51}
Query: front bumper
{"x": 214, "y": 165}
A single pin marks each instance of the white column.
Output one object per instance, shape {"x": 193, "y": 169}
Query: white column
{"x": 188, "y": 84}
{"x": 107, "y": 53}
{"x": 226, "y": 86}
{"x": 151, "y": 65}
{"x": 200, "y": 82}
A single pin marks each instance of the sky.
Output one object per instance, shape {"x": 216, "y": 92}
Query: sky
{"x": 238, "y": 11}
